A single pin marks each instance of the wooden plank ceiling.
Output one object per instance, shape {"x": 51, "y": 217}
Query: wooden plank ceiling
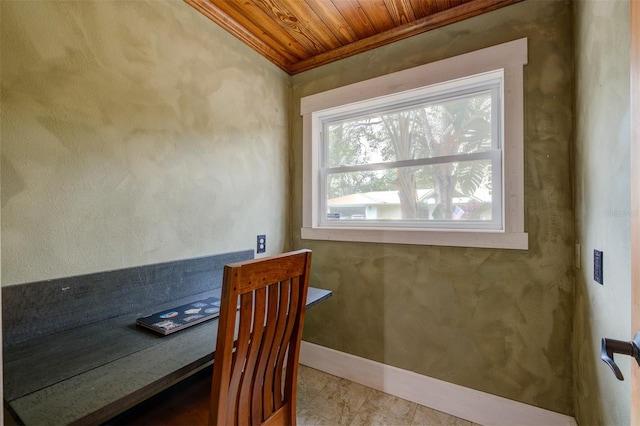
{"x": 298, "y": 35}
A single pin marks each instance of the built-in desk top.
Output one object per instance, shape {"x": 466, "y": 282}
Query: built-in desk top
{"x": 88, "y": 374}
{"x": 72, "y": 351}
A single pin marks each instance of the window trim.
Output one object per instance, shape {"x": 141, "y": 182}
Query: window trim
{"x": 511, "y": 58}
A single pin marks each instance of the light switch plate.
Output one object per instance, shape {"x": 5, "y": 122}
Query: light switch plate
{"x": 598, "y": 272}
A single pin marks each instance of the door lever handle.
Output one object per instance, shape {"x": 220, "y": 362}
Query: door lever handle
{"x": 612, "y": 346}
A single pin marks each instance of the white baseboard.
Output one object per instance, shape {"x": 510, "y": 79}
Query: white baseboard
{"x": 459, "y": 401}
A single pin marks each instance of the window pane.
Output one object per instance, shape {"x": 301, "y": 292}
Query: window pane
{"x": 439, "y": 192}
{"x": 457, "y": 125}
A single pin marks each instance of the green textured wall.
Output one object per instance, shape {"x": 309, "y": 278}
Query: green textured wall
{"x": 602, "y": 207}
{"x": 494, "y": 320}
{"x": 134, "y": 132}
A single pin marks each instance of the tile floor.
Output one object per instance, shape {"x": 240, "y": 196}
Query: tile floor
{"x": 326, "y": 400}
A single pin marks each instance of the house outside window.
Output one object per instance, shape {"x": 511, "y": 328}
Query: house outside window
{"x": 431, "y": 155}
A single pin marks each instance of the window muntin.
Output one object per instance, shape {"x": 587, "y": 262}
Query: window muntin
{"x": 430, "y": 160}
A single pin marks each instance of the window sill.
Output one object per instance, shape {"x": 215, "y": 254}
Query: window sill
{"x": 490, "y": 239}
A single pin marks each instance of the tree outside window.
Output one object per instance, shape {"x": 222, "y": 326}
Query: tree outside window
{"x": 422, "y": 153}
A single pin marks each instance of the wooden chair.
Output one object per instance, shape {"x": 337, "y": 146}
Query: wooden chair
{"x": 254, "y": 381}
{"x": 255, "y": 384}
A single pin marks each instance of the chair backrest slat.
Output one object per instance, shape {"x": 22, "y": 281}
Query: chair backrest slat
{"x": 290, "y": 319}
{"x": 272, "y": 387}
{"x": 265, "y": 349}
{"x": 257, "y": 327}
{"x": 256, "y": 383}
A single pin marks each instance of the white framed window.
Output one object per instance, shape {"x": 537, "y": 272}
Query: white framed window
{"x": 432, "y": 155}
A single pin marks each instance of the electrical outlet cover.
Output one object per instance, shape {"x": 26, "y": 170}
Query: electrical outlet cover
{"x": 262, "y": 244}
